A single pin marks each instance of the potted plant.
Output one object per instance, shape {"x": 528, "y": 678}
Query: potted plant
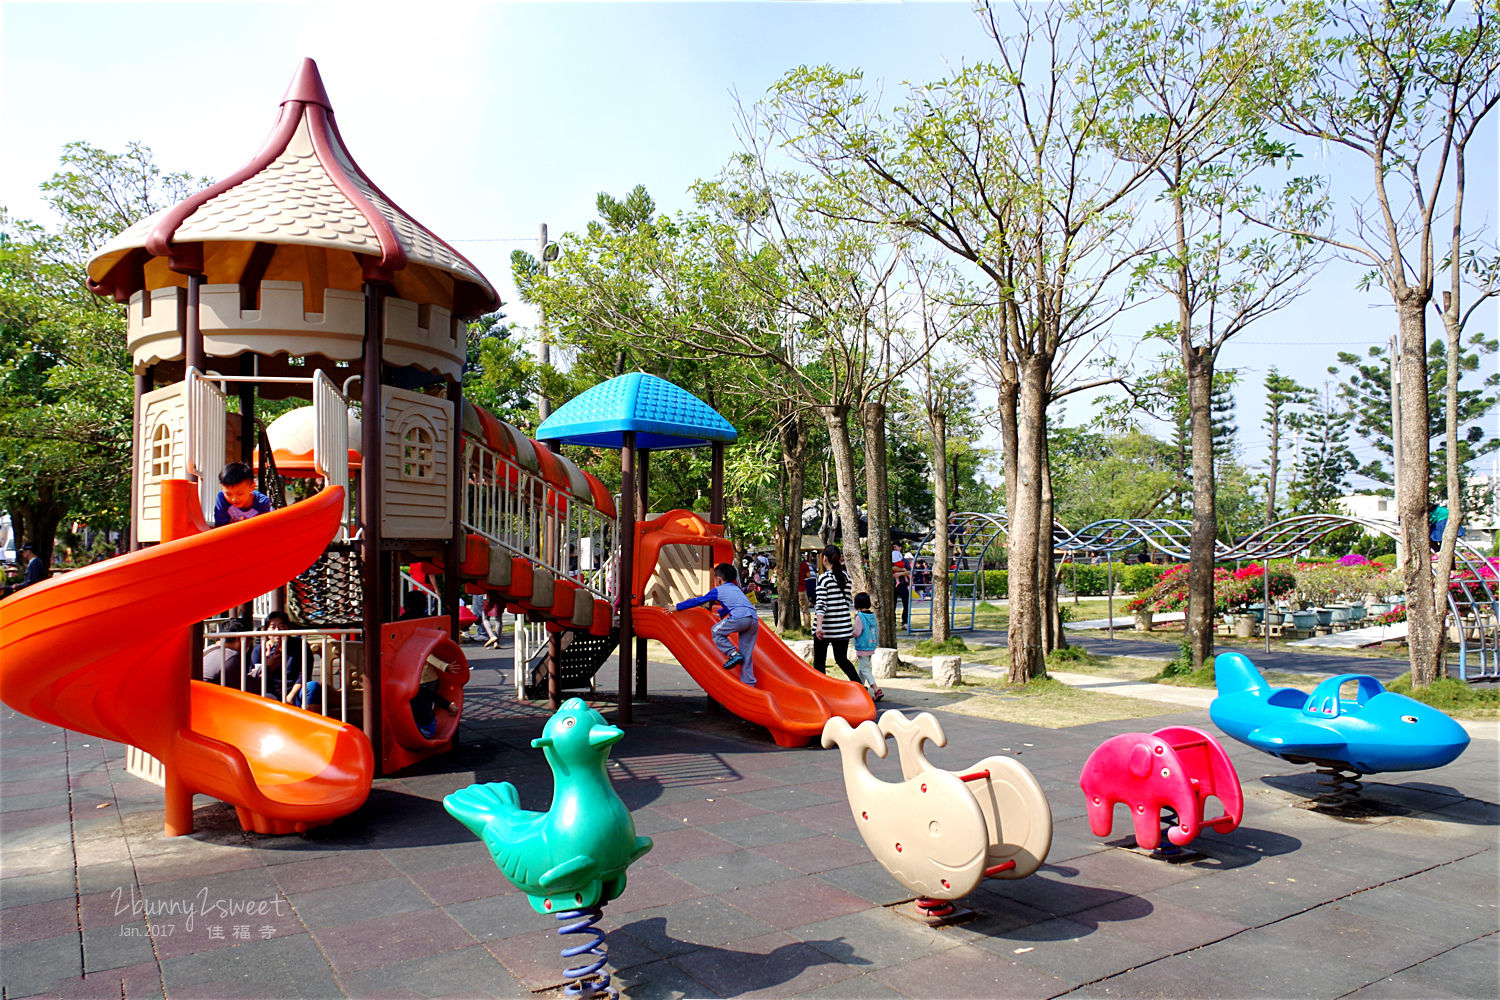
{"x": 1140, "y": 610}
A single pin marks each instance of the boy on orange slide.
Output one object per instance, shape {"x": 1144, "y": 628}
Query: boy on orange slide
{"x": 736, "y": 614}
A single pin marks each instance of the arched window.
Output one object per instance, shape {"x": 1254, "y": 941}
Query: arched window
{"x": 161, "y": 451}
{"x": 417, "y": 457}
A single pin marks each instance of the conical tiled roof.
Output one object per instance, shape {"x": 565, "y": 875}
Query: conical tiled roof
{"x": 302, "y": 188}
{"x": 661, "y": 414}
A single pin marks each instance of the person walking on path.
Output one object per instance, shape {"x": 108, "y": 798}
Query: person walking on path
{"x": 833, "y": 616}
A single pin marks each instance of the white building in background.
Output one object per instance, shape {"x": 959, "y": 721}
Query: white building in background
{"x": 1479, "y": 527}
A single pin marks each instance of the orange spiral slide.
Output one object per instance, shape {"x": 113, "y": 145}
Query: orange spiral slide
{"x": 106, "y": 650}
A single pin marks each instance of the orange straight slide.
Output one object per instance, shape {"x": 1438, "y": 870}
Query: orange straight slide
{"x": 789, "y": 698}
{"x": 106, "y": 650}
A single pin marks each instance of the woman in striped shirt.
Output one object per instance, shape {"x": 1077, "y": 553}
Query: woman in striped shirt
{"x": 833, "y": 616}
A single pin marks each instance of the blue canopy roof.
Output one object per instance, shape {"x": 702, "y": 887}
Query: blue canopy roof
{"x": 661, "y": 414}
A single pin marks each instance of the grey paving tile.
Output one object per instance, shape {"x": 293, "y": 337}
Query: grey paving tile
{"x": 782, "y": 800}
{"x": 1471, "y": 969}
{"x": 761, "y": 830}
{"x": 824, "y": 852}
{"x": 496, "y": 917}
{"x": 870, "y": 881}
{"x": 466, "y": 972}
{"x": 25, "y": 890}
{"x": 873, "y": 938}
{"x": 1462, "y": 918}
{"x": 721, "y": 872}
{"x": 352, "y": 947}
{"x": 349, "y": 903}
{"x": 862, "y": 986}
{"x": 660, "y": 980}
{"x": 116, "y": 947}
{"x": 792, "y": 902}
{"x": 1168, "y": 979}
{"x": 681, "y": 927}
{"x": 969, "y": 971}
{"x": 280, "y": 967}
{"x": 773, "y": 964}
{"x": 28, "y": 967}
{"x": 1269, "y": 965}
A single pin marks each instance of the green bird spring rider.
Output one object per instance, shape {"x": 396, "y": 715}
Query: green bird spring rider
{"x": 571, "y": 859}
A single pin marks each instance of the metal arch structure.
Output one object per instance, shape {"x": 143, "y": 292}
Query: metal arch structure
{"x": 970, "y": 536}
{"x": 1472, "y": 591}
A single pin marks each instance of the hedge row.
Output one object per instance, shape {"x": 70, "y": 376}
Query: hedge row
{"x": 1091, "y": 581}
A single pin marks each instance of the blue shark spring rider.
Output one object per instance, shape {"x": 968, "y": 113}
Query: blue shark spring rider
{"x": 1375, "y": 730}
{"x": 571, "y": 859}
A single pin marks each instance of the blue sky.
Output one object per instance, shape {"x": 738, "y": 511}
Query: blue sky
{"x": 484, "y": 120}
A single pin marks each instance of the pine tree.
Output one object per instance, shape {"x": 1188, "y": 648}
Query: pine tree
{"x": 1281, "y": 393}
{"x": 1324, "y": 459}
{"x": 1366, "y": 390}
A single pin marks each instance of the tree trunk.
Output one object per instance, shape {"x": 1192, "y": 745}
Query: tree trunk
{"x": 36, "y": 521}
{"x": 836, "y": 418}
{"x": 1052, "y": 637}
{"x": 939, "y": 422}
{"x": 1425, "y": 637}
{"x": 1442, "y": 569}
{"x": 882, "y": 583}
{"x": 1026, "y": 654}
{"x": 794, "y": 437}
{"x": 1271, "y": 479}
{"x": 1205, "y": 526}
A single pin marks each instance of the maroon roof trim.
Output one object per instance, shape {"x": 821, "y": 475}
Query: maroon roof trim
{"x": 307, "y": 86}
{"x": 324, "y": 134}
{"x": 490, "y": 296}
{"x": 159, "y": 240}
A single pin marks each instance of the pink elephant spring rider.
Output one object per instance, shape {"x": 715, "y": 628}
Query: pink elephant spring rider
{"x": 1176, "y": 769}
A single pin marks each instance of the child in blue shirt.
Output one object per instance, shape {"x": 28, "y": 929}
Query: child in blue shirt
{"x": 238, "y": 497}
{"x": 737, "y": 615}
{"x": 866, "y": 637}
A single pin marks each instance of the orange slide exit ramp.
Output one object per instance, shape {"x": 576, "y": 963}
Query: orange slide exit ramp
{"x": 789, "y": 698}
{"x": 106, "y": 651}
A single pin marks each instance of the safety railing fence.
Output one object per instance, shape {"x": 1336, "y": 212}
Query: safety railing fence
{"x": 530, "y": 638}
{"x": 525, "y": 515}
{"x": 313, "y": 669}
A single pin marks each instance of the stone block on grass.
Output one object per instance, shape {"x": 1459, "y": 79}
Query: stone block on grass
{"x": 947, "y": 671}
{"x": 884, "y": 662}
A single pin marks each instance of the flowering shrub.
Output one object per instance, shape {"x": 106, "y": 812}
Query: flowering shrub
{"x": 1231, "y": 589}
{"x": 1354, "y": 559}
{"x": 1391, "y": 617}
{"x": 1323, "y": 585}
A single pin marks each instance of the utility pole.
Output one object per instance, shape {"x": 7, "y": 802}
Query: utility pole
{"x": 1395, "y": 352}
{"x": 544, "y": 349}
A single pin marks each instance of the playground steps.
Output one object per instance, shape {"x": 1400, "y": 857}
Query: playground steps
{"x": 582, "y": 655}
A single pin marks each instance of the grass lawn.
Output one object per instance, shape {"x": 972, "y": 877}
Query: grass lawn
{"x": 1045, "y": 702}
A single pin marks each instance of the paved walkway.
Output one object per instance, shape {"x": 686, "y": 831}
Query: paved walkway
{"x": 1354, "y": 638}
{"x": 758, "y": 883}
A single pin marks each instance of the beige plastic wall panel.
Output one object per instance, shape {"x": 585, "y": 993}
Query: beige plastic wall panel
{"x": 293, "y": 200}
{"x": 421, "y": 246}
{"x": 416, "y": 478}
{"x": 682, "y": 571}
{"x": 281, "y": 324}
{"x": 423, "y": 335}
{"x": 525, "y": 453}
{"x": 161, "y": 450}
{"x": 153, "y": 325}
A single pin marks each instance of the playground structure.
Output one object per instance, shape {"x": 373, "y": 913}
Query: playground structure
{"x": 1349, "y": 726}
{"x": 1473, "y": 592}
{"x": 1164, "y": 779}
{"x": 295, "y": 277}
{"x": 572, "y": 859}
{"x": 939, "y": 833}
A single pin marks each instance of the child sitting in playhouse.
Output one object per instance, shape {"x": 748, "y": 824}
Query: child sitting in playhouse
{"x": 238, "y": 499}
{"x": 736, "y": 615}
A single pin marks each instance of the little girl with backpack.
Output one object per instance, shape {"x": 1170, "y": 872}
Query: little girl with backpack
{"x": 866, "y": 637}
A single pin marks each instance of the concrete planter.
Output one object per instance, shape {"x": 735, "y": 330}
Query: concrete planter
{"x": 1244, "y": 626}
{"x": 947, "y": 671}
{"x": 1142, "y": 621}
